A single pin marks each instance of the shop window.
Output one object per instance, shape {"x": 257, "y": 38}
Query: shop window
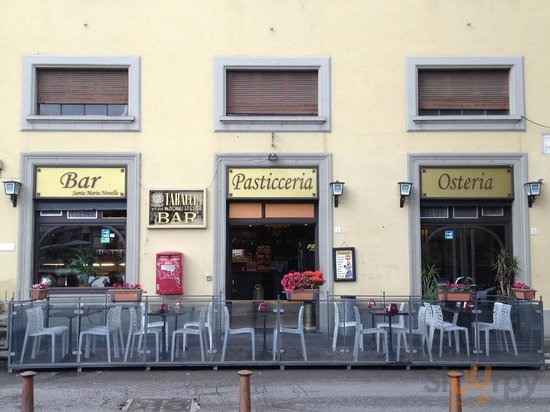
{"x": 270, "y": 94}
{"x": 465, "y": 212}
{"x": 434, "y": 212}
{"x": 72, "y": 93}
{"x": 492, "y": 211}
{"x": 465, "y": 94}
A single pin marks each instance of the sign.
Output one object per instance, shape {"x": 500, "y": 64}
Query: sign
{"x": 177, "y": 208}
{"x": 271, "y": 183}
{"x": 449, "y": 235}
{"x": 80, "y": 182}
{"x": 344, "y": 264}
{"x": 466, "y": 183}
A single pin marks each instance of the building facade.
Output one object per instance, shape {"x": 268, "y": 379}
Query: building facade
{"x": 216, "y": 129}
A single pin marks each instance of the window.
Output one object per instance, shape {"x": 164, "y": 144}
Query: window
{"x": 81, "y": 93}
{"x": 271, "y": 94}
{"x": 465, "y": 93}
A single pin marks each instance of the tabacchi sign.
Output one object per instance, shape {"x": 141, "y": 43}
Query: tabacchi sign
{"x": 80, "y": 182}
{"x": 265, "y": 183}
{"x": 177, "y": 208}
{"x": 467, "y": 182}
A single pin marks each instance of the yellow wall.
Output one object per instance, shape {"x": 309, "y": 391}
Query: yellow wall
{"x": 367, "y": 42}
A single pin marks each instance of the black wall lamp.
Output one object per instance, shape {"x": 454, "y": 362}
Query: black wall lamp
{"x": 337, "y": 188}
{"x": 404, "y": 191}
{"x": 533, "y": 190}
{"x": 11, "y": 189}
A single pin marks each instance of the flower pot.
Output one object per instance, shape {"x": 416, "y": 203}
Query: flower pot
{"x": 454, "y": 295}
{"x": 304, "y": 294}
{"x": 125, "y": 295}
{"x": 39, "y": 293}
{"x": 524, "y": 294}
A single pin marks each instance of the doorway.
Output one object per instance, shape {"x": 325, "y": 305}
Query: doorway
{"x": 465, "y": 247}
{"x": 261, "y": 254}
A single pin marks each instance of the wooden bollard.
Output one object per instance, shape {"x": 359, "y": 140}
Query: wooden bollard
{"x": 244, "y": 391}
{"x": 455, "y": 395}
{"x": 27, "y": 393}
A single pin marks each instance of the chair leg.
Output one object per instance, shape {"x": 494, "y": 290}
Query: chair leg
{"x": 157, "y": 346}
{"x": 513, "y": 338}
{"x": 201, "y": 342}
{"x": 174, "y": 346}
{"x": 303, "y": 346}
{"x": 334, "y": 337}
{"x": 486, "y": 341}
{"x": 398, "y": 345}
{"x": 386, "y": 347}
{"x": 130, "y": 338}
{"x": 35, "y": 346}
{"x": 108, "y": 337}
{"x": 356, "y": 344}
{"x": 24, "y": 347}
{"x": 224, "y": 346}
{"x": 253, "y": 346}
{"x": 53, "y": 347}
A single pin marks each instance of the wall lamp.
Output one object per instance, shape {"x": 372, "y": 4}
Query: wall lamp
{"x": 11, "y": 189}
{"x": 533, "y": 190}
{"x": 404, "y": 191}
{"x": 337, "y": 188}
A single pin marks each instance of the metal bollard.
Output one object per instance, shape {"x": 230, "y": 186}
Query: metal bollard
{"x": 455, "y": 395}
{"x": 244, "y": 391}
{"x": 27, "y": 393}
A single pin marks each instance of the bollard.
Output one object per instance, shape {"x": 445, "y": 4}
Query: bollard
{"x": 244, "y": 391}
{"x": 455, "y": 396}
{"x": 27, "y": 393}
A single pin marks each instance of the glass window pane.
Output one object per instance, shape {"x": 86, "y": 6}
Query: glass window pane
{"x": 49, "y": 109}
{"x": 72, "y": 110}
{"x": 96, "y": 110}
{"x": 434, "y": 212}
{"x": 492, "y": 211}
{"x": 465, "y": 212}
{"x": 116, "y": 109}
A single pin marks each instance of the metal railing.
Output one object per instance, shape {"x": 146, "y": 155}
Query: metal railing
{"x": 192, "y": 331}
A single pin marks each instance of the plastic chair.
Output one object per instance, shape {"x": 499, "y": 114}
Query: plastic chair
{"x": 360, "y": 332}
{"x": 197, "y": 330}
{"x": 437, "y": 323}
{"x": 395, "y": 327}
{"x": 299, "y": 330}
{"x": 501, "y": 322}
{"x": 113, "y": 328}
{"x": 35, "y": 329}
{"x": 134, "y": 331}
{"x": 155, "y": 324}
{"x": 207, "y": 325}
{"x": 237, "y": 331}
{"x": 421, "y": 331}
{"x": 337, "y": 325}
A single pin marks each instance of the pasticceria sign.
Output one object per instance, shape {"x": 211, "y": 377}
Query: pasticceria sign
{"x": 263, "y": 183}
{"x": 177, "y": 208}
{"x": 80, "y": 182}
{"x": 466, "y": 183}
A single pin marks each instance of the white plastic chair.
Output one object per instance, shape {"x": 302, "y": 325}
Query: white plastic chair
{"x": 155, "y": 324}
{"x": 421, "y": 331}
{"x": 337, "y": 325}
{"x": 237, "y": 331}
{"x": 141, "y": 333}
{"x": 35, "y": 329}
{"x": 207, "y": 325}
{"x": 299, "y": 330}
{"x": 112, "y": 329}
{"x": 197, "y": 330}
{"x": 437, "y": 323}
{"x": 360, "y": 332}
{"x": 501, "y": 322}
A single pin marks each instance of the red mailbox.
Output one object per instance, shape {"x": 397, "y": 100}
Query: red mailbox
{"x": 169, "y": 273}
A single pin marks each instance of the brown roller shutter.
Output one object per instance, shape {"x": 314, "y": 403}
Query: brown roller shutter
{"x": 271, "y": 92}
{"x": 463, "y": 89}
{"x": 82, "y": 86}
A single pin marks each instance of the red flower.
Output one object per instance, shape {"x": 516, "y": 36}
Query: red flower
{"x": 303, "y": 280}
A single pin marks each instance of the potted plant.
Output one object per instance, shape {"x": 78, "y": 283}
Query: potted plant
{"x": 39, "y": 291}
{"x": 126, "y": 292}
{"x": 83, "y": 263}
{"x": 506, "y": 267}
{"x": 303, "y": 285}
{"x": 523, "y": 292}
{"x": 430, "y": 275}
{"x": 454, "y": 292}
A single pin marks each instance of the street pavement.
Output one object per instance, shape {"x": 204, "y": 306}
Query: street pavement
{"x": 274, "y": 390}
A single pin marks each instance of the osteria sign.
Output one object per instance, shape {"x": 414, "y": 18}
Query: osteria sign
{"x": 466, "y": 182}
{"x": 266, "y": 183}
{"x": 80, "y": 182}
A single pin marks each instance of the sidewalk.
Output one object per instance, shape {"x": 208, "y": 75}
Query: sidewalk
{"x": 274, "y": 390}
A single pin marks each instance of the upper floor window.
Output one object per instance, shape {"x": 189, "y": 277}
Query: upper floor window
{"x": 269, "y": 94}
{"x": 465, "y": 94}
{"x": 79, "y": 93}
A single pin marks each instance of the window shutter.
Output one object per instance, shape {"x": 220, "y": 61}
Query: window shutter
{"x": 463, "y": 89}
{"x": 271, "y": 92}
{"x": 82, "y": 86}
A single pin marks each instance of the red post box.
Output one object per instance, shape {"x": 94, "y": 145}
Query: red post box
{"x": 169, "y": 273}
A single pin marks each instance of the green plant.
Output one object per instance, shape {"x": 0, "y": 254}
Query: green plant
{"x": 506, "y": 267}
{"x": 430, "y": 275}
{"x": 83, "y": 262}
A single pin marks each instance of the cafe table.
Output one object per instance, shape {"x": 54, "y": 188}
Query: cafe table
{"x": 389, "y": 315}
{"x": 175, "y": 313}
{"x": 264, "y": 315}
{"x": 473, "y": 321}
